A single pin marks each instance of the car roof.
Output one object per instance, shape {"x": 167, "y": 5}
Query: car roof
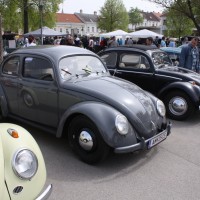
{"x": 135, "y": 46}
{"x": 54, "y": 51}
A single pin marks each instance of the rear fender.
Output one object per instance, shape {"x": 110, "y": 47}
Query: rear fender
{"x": 3, "y": 103}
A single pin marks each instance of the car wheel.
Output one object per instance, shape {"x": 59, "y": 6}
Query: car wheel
{"x": 86, "y": 140}
{"x": 178, "y": 105}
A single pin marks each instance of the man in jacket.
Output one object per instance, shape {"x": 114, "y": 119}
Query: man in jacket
{"x": 189, "y": 57}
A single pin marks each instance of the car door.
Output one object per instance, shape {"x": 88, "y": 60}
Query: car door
{"x": 132, "y": 66}
{"x": 38, "y": 91}
{"x": 9, "y": 82}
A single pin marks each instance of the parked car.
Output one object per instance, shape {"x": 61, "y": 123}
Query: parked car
{"x": 69, "y": 91}
{"x": 23, "y": 172}
{"x": 173, "y": 52}
{"x": 152, "y": 69}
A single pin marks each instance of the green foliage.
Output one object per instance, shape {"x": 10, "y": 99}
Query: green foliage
{"x": 134, "y": 16}
{"x": 188, "y": 8}
{"x": 13, "y": 13}
{"x": 113, "y": 16}
{"x": 177, "y": 24}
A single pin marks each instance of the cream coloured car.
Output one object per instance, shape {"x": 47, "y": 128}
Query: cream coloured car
{"x": 23, "y": 171}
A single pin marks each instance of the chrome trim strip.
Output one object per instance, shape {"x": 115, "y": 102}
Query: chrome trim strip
{"x": 45, "y": 195}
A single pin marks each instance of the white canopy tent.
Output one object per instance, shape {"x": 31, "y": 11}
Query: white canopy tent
{"x": 144, "y": 34}
{"x": 114, "y": 33}
{"x": 44, "y": 32}
{"x": 119, "y": 33}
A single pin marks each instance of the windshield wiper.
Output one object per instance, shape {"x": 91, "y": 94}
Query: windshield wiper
{"x": 66, "y": 71}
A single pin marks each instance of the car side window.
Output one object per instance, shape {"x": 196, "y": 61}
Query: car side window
{"x": 37, "y": 68}
{"x": 11, "y": 66}
{"x": 135, "y": 61}
{"x": 110, "y": 59}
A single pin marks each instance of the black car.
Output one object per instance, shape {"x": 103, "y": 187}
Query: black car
{"x": 152, "y": 69}
{"x": 69, "y": 91}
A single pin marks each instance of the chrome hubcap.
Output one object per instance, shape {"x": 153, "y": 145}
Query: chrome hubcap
{"x": 86, "y": 141}
{"x": 178, "y": 106}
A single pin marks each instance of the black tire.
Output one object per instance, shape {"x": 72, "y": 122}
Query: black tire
{"x": 183, "y": 107}
{"x": 99, "y": 149}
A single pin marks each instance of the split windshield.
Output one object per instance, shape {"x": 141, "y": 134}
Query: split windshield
{"x": 80, "y": 66}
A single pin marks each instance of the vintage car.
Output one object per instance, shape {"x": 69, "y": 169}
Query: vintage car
{"x": 152, "y": 70}
{"x": 69, "y": 91}
{"x": 23, "y": 172}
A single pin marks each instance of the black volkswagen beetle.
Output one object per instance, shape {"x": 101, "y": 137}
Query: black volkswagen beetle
{"x": 69, "y": 91}
{"x": 152, "y": 70}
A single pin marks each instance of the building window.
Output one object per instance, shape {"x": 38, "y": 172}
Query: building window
{"x": 93, "y": 29}
{"x": 88, "y": 29}
{"x": 67, "y": 31}
{"x": 61, "y": 30}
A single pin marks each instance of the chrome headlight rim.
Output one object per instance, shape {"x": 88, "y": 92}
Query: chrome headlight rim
{"x": 160, "y": 106}
{"x": 121, "y": 124}
{"x": 14, "y": 164}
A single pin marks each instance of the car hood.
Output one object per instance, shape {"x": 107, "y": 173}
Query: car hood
{"x": 135, "y": 103}
{"x": 179, "y": 72}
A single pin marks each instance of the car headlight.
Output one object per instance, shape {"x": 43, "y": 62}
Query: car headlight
{"x": 160, "y": 108}
{"x": 25, "y": 164}
{"x": 121, "y": 124}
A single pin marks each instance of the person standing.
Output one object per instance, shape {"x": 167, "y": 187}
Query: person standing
{"x": 149, "y": 42}
{"x": 112, "y": 42}
{"x": 189, "y": 57}
{"x": 129, "y": 42}
{"x": 91, "y": 44}
{"x": 30, "y": 42}
{"x": 163, "y": 43}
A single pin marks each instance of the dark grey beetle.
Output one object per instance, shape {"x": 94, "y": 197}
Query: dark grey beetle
{"x": 69, "y": 91}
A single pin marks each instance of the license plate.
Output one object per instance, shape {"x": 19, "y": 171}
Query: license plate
{"x": 157, "y": 139}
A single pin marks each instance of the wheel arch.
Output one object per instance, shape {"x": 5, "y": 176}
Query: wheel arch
{"x": 192, "y": 91}
{"x": 102, "y": 115}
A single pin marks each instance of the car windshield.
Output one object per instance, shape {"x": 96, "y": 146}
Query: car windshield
{"x": 161, "y": 59}
{"x": 80, "y": 66}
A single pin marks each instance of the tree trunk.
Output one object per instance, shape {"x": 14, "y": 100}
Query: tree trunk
{"x": 25, "y": 11}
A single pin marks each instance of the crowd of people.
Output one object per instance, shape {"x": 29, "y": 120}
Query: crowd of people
{"x": 189, "y": 57}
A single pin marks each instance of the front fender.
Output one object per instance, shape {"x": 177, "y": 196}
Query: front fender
{"x": 193, "y": 91}
{"x": 10, "y": 145}
{"x": 103, "y": 116}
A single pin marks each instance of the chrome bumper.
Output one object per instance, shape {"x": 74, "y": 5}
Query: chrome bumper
{"x": 45, "y": 194}
{"x": 143, "y": 144}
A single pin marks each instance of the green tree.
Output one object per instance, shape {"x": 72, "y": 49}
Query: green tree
{"x": 188, "y": 8}
{"x": 113, "y": 16}
{"x": 19, "y": 13}
{"x": 177, "y": 24}
{"x": 135, "y": 16}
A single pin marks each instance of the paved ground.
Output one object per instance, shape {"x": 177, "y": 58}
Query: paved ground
{"x": 170, "y": 171}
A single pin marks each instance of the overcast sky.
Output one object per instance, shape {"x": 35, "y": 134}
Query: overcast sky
{"x": 89, "y": 6}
